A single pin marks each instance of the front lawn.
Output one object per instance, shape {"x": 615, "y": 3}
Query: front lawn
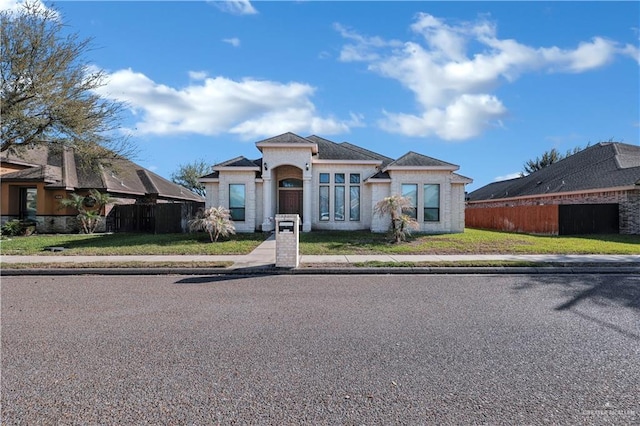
{"x": 472, "y": 241}
{"x": 131, "y": 244}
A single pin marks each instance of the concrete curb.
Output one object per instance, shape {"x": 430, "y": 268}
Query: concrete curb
{"x": 263, "y": 271}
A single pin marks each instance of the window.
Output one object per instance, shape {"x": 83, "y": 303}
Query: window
{"x": 324, "y": 202}
{"x": 237, "y": 201}
{"x": 290, "y": 183}
{"x": 432, "y": 203}
{"x": 28, "y": 203}
{"x": 338, "y": 207}
{"x": 354, "y": 203}
{"x": 410, "y": 191}
{"x": 338, "y": 178}
{"x": 354, "y": 178}
{"x": 324, "y": 177}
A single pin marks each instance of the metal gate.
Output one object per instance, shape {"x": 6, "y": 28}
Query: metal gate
{"x": 577, "y": 219}
{"x": 151, "y": 218}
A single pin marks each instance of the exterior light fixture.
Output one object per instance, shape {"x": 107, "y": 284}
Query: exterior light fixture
{"x": 306, "y": 166}
{"x": 266, "y": 167}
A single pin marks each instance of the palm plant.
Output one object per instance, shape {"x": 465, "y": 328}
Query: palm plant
{"x": 215, "y": 220}
{"x": 401, "y": 224}
{"x": 88, "y": 207}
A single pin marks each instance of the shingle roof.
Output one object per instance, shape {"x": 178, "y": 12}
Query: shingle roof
{"x": 373, "y": 155}
{"x": 239, "y": 162}
{"x": 60, "y": 169}
{"x": 328, "y": 150}
{"x": 413, "y": 159}
{"x": 604, "y": 165}
{"x": 285, "y": 138}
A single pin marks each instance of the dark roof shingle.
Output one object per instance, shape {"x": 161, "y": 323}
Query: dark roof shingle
{"x": 604, "y": 165}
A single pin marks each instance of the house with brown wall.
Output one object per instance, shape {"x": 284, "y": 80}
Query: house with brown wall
{"x": 34, "y": 181}
{"x": 596, "y": 190}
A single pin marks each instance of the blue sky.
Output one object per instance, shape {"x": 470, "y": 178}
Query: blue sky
{"x": 485, "y": 85}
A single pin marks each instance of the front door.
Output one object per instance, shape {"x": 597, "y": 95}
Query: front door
{"x": 290, "y": 201}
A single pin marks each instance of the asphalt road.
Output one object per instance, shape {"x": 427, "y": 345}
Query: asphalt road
{"x": 321, "y": 350}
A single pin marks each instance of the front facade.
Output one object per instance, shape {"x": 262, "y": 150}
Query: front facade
{"x": 596, "y": 190}
{"x": 334, "y": 186}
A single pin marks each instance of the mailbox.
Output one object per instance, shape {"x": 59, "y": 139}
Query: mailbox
{"x": 287, "y": 240}
{"x": 286, "y": 227}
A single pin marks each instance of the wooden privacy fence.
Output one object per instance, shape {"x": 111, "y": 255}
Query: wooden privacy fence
{"x": 526, "y": 219}
{"x": 152, "y": 218}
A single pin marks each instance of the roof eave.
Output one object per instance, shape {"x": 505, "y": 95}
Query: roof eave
{"x": 556, "y": 194}
{"x": 313, "y": 146}
{"x": 426, "y": 168}
{"x": 371, "y": 162}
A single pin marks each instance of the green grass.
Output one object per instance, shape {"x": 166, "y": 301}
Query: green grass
{"x": 111, "y": 265}
{"x": 130, "y": 244}
{"x": 472, "y": 241}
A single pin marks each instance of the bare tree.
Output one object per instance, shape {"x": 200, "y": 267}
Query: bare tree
{"x": 48, "y": 89}
{"x": 188, "y": 175}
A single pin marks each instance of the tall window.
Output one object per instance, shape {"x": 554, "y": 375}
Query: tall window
{"x": 338, "y": 197}
{"x": 431, "y": 203}
{"x": 410, "y": 191}
{"x": 354, "y": 196}
{"x": 324, "y": 202}
{"x": 237, "y": 201}
{"x": 338, "y": 207}
{"x": 28, "y": 203}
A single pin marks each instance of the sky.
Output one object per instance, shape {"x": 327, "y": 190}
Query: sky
{"x": 484, "y": 85}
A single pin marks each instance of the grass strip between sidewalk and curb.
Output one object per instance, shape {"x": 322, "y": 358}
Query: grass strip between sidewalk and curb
{"x": 115, "y": 265}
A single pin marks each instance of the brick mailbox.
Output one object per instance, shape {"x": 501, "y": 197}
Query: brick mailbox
{"x": 287, "y": 240}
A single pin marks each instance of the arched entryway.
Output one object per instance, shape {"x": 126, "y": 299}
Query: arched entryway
{"x": 290, "y": 190}
{"x": 290, "y": 196}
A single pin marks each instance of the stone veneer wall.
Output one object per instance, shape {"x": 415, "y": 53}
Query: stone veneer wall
{"x": 628, "y": 201}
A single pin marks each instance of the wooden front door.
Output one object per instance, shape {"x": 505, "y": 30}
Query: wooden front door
{"x": 290, "y": 202}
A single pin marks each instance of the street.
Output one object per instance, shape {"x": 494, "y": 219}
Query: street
{"x": 405, "y": 349}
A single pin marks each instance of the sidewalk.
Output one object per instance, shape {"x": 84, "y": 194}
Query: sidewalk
{"x": 262, "y": 259}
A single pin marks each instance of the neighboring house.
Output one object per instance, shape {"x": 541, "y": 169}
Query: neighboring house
{"x": 35, "y": 180}
{"x": 334, "y": 186}
{"x": 596, "y": 190}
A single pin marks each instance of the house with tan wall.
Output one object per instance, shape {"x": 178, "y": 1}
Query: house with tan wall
{"x": 334, "y": 186}
{"x": 35, "y": 180}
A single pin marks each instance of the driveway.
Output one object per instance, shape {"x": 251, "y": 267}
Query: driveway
{"x": 321, "y": 349}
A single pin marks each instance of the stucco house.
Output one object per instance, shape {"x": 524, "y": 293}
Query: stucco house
{"x": 35, "y": 180}
{"x": 334, "y": 186}
{"x": 594, "y": 191}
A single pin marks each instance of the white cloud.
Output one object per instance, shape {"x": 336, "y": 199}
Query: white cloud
{"x": 236, "y": 7}
{"x": 452, "y": 85}
{"x": 235, "y": 41}
{"x": 215, "y": 105}
{"x": 198, "y": 75}
{"x": 16, "y": 5}
{"x": 507, "y": 177}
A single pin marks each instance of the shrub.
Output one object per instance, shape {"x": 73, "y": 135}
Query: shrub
{"x": 215, "y": 220}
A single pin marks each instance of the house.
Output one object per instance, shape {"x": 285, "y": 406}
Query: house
{"x": 35, "y": 180}
{"x": 334, "y": 186}
{"x": 596, "y": 190}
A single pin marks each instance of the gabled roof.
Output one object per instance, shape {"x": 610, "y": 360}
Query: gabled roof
{"x": 413, "y": 160}
{"x": 601, "y": 166}
{"x": 59, "y": 169}
{"x": 239, "y": 162}
{"x": 287, "y": 140}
